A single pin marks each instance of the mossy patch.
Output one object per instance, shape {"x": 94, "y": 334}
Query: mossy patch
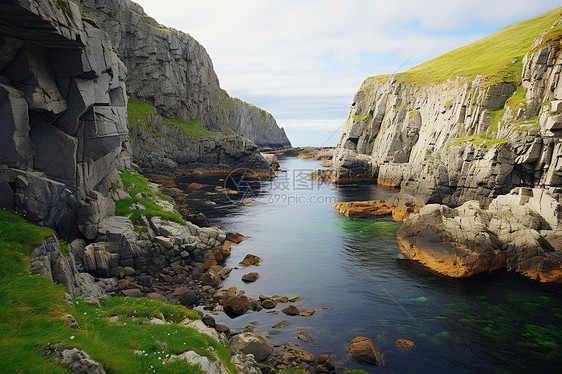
{"x": 360, "y": 118}
{"x": 479, "y": 139}
{"x": 135, "y": 184}
{"x": 138, "y": 113}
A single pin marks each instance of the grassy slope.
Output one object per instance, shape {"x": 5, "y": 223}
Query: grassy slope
{"x": 490, "y": 56}
{"x": 138, "y": 112}
{"x": 31, "y": 307}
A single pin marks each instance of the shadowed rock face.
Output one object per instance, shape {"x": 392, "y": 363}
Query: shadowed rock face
{"x": 520, "y": 231}
{"x": 63, "y": 120}
{"x": 172, "y": 71}
{"x": 404, "y": 135}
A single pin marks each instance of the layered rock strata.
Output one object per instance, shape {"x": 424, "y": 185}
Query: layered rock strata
{"x": 63, "y": 113}
{"x": 172, "y": 71}
{"x": 422, "y": 137}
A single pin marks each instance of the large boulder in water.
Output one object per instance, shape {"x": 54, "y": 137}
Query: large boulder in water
{"x": 519, "y": 231}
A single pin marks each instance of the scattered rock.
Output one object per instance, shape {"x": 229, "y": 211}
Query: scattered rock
{"x": 405, "y": 343}
{"x": 236, "y": 305}
{"x": 134, "y": 292}
{"x": 249, "y": 343}
{"x": 375, "y": 208}
{"x": 237, "y": 238}
{"x": 209, "y": 367}
{"x": 196, "y": 186}
{"x": 291, "y": 310}
{"x": 209, "y": 321}
{"x": 268, "y": 304}
{"x": 307, "y": 313}
{"x": 324, "y": 364}
{"x": 281, "y": 324}
{"x": 362, "y": 350}
{"x": 74, "y": 360}
{"x": 304, "y": 336}
{"x": 222, "y": 328}
{"x": 250, "y": 277}
{"x": 70, "y": 321}
{"x": 250, "y": 260}
{"x": 156, "y": 296}
{"x": 282, "y": 300}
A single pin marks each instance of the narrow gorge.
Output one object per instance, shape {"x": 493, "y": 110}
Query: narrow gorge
{"x": 150, "y": 222}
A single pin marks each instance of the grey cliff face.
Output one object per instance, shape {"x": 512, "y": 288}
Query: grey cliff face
{"x": 404, "y": 135}
{"x": 172, "y": 71}
{"x": 63, "y": 112}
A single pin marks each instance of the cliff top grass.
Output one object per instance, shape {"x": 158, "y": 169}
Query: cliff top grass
{"x": 491, "y": 56}
{"x": 31, "y": 308}
{"x": 138, "y": 112}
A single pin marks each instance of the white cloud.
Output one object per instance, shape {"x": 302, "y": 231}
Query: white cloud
{"x": 299, "y": 59}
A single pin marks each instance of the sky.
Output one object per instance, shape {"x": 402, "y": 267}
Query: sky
{"x": 303, "y": 60}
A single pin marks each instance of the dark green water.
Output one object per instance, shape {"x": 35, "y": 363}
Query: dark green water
{"x": 498, "y": 323}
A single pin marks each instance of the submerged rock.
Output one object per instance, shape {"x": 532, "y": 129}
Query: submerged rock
{"x": 363, "y": 350}
{"x": 405, "y": 343}
{"x": 376, "y": 208}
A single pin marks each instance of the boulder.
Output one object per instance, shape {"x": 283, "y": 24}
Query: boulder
{"x": 74, "y": 360}
{"x": 210, "y": 367}
{"x": 291, "y": 310}
{"x": 362, "y": 349}
{"x": 250, "y": 277}
{"x": 236, "y": 305}
{"x": 324, "y": 364}
{"x": 249, "y": 343}
{"x": 250, "y": 260}
{"x": 268, "y": 304}
{"x": 307, "y": 313}
{"x": 405, "y": 343}
{"x": 453, "y": 242}
{"x": 203, "y": 329}
{"x": 519, "y": 231}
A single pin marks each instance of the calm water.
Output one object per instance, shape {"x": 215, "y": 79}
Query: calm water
{"x": 499, "y": 323}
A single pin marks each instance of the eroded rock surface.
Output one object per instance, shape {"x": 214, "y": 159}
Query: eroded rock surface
{"x": 519, "y": 231}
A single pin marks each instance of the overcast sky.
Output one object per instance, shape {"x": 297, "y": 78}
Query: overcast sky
{"x": 303, "y": 60}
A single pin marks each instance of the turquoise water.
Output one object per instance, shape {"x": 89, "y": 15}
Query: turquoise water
{"x": 498, "y": 323}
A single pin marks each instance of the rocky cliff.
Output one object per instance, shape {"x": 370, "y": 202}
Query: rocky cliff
{"x": 172, "y": 71}
{"x": 448, "y": 136}
{"x": 63, "y": 114}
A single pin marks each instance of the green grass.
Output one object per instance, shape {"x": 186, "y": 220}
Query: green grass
{"x": 495, "y": 117}
{"x": 412, "y": 113}
{"x": 355, "y": 371}
{"x": 293, "y": 370}
{"x": 360, "y": 118}
{"x": 134, "y": 183}
{"x": 192, "y": 128}
{"x": 91, "y": 22}
{"x": 31, "y": 307}
{"x": 138, "y": 112}
{"x": 490, "y": 56}
{"x": 480, "y": 139}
